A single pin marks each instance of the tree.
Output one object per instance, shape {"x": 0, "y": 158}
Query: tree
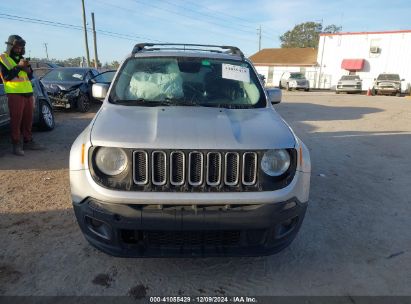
{"x": 332, "y": 29}
{"x": 111, "y": 66}
{"x": 306, "y": 35}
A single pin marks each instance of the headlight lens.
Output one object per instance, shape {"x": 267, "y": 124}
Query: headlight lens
{"x": 275, "y": 162}
{"x": 111, "y": 161}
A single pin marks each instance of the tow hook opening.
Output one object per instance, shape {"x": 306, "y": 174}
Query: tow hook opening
{"x": 98, "y": 227}
{"x": 286, "y": 227}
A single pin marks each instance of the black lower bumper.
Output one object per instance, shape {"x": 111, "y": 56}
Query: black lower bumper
{"x": 189, "y": 231}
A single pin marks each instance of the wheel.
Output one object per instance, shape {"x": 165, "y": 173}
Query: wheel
{"x": 398, "y": 94}
{"x": 83, "y": 103}
{"x": 288, "y": 87}
{"x": 46, "y": 116}
{"x": 337, "y": 92}
{"x": 307, "y": 89}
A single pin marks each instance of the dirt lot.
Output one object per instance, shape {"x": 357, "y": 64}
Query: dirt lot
{"x": 356, "y": 238}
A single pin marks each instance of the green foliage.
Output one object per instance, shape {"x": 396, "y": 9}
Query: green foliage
{"x": 306, "y": 35}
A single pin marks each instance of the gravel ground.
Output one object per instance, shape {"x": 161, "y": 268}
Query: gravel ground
{"x": 355, "y": 240}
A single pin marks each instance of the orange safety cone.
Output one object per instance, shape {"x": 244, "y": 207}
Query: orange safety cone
{"x": 369, "y": 92}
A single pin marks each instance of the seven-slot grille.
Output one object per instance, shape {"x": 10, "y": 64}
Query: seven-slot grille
{"x": 195, "y": 168}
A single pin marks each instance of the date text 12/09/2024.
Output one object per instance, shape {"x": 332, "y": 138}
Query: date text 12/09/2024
{"x": 203, "y": 299}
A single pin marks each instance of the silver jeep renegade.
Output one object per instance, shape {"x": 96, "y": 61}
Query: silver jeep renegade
{"x": 187, "y": 157}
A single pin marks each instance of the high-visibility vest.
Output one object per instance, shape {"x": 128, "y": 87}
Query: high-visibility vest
{"x": 19, "y": 84}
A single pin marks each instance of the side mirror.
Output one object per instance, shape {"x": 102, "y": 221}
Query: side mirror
{"x": 99, "y": 90}
{"x": 274, "y": 95}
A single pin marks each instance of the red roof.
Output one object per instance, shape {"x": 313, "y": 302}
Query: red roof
{"x": 366, "y": 33}
{"x": 352, "y": 64}
{"x": 285, "y": 57}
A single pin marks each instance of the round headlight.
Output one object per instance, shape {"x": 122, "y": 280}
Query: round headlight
{"x": 111, "y": 161}
{"x": 275, "y": 162}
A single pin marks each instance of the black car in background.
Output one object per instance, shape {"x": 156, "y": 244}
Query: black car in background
{"x": 70, "y": 88}
{"x": 43, "y": 117}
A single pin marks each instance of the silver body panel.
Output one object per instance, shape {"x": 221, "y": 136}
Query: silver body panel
{"x": 190, "y": 128}
{"x": 181, "y": 127}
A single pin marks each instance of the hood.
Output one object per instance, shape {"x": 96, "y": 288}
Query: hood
{"x": 349, "y": 82}
{"x": 53, "y": 86}
{"x": 190, "y": 128}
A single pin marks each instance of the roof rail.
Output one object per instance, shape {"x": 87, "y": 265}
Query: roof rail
{"x": 233, "y": 50}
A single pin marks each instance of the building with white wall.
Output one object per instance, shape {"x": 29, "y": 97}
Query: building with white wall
{"x": 272, "y": 63}
{"x": 366, "y": 54}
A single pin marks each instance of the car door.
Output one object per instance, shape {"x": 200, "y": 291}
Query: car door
{"x": 4, "y": 108}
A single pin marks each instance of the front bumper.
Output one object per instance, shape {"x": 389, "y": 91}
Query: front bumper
{"x": 349, "y": 88}
{"x": 299, "y": 86}
{"x": 387, "y": 90}
{"x": 127, "y": 230}
{"x": 65, "y": 100}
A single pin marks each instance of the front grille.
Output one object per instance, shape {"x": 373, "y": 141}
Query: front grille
{"x": 182, "y": 238}
{"x": 231, "y": 168}
{"x": 177, "y": 168}
{"x": 159, "y": 168}
{"x": 195, "y": 169}
{"x": 213, "y": 168}
{"x": 140, "y": 167}
{"x": 249, "y": 168}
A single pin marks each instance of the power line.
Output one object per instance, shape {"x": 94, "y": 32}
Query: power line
{"x": 190, "y": 17}
{"x": 168, "y": 20}
{"x": 73, "y": 27}
{"x": 251, "y": 24}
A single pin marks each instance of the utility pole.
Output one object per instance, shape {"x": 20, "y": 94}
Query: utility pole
{"x": 47, "y": 53}
{"x": 95, "y": 41}
{"x": 259, "y": 38}
{"x": 85, "y": 34}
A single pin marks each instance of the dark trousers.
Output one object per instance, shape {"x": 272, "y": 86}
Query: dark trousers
{"x": 21, "y": 117}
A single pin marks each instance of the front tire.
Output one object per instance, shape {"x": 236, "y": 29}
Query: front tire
{"x": 83, "y": 103}
{"x": 398, "y": 94}
{"x": 46, "y": 117}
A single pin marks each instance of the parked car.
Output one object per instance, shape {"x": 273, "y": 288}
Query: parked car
{"x": 274, "y": 94}
{"x": 70, "y": 88}
{"x": 41, "y": 68}
{"x": 43, "y": 117}
{"x": 294, "y": 80}
{"x": 187, "y": 157}
{"x": 387, "y": 84}
{"x": 349, "y": 84}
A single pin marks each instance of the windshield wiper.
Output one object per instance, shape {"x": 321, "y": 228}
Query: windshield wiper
{"x": 227, "y": 105}
{"x": 155, "y": 103}
{"x": 179, "y": 102}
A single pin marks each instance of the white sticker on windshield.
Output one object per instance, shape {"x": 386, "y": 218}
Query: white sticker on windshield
{"x": 236, "y": 72}
{"x": 78, "y": 76}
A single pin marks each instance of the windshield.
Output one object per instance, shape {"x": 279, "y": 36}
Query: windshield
{"x": 64, "y": 75}
{"x": 187, "y": 81}
{"x": 105, "y": 77}
{"x": 297, "y": 76}
{"x": 395, "y": 77}
{"x": 348, "y": 77}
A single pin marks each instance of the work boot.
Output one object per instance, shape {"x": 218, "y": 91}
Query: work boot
{"x": 18, "y": 150}
{"x": 32, "y": 145}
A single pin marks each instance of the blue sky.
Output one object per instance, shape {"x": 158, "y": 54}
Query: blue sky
{"x": 228, "y": 22}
